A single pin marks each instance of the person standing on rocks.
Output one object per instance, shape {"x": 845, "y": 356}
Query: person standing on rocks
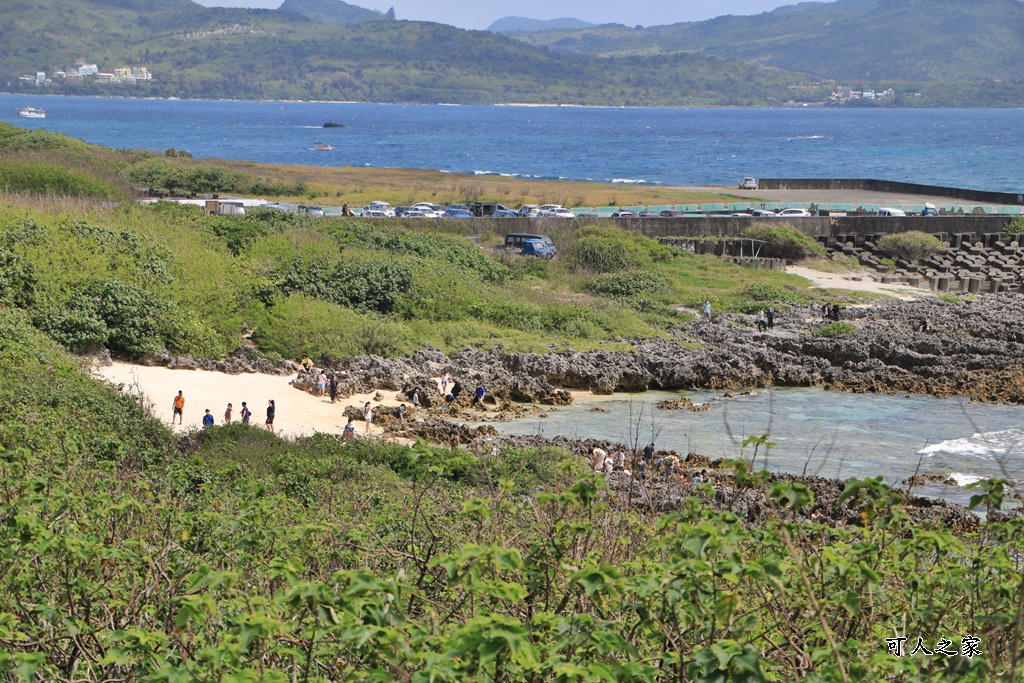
{"x": 368, "y": 416}
{"x": 333, "y": 388}
{"x": 707, "y": 310}
{"x": 271, "y": 413}
{"x": 771, "y": 318}
{"x": 401, "y": 416}
{"x": 178, "y": 408}
{"x": 762, "y": 324}
{"x": 597, "y": 457}
{"x": 444, "y": 383}
{"x": 478, "y": 395}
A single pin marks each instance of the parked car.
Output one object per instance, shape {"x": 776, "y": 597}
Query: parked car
{"x": 763, "y": 213}
{"x": 505, "y": 213}
{"x": 486, "y": 208}
{"x": 427, "y": 206}
{"x": 740, "y": 215}
{"x": 670, "y": 213}
{"x": 456, "y": 213}
{"x": 380, "y": 206}
{"x": 515, "y": 241}
{"x": 794, "y": 212}
{"x": 414, "y": 213}
{"x": 528, "y": 210}
{"x": 649, "y": 214}
{"x": 623, "y": 213}
{"x": 537, "y": 248}
{"x": 558, "y": 212}
{"x": 464, "y": 207}
{"x": 748, "y": 183}
{"x": 886, "y": 211}
{"x": 373, "y": 213}
{"x": 588, "y": 214}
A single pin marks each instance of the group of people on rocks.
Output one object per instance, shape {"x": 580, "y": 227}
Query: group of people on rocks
{"x": 830, "y": 312}
{"x": 765, "y": 321}
{"x": 244, "y": 414}
{"x": 647, "y": 462}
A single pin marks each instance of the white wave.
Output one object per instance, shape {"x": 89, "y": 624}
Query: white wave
{"x": 962, "y": 479}
{"x": 483, "y": 172}
{"x": 990, "y": 445}
{"x": 628, "y": 181}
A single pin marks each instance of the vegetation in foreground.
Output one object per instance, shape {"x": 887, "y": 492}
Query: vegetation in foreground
{"x": 234, "y": 556}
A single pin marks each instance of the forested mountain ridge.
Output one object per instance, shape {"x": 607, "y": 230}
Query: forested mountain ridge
{"x": 193, "y": 51}
{"x": 334, "y": 12}
{"x": 914, "y": 40}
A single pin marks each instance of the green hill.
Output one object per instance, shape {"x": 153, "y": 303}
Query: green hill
{"x": 331, "y": 12}
{"x": 914, "y": 40}
{"x": 194, "y": 51}
{"x": 513, "y": 24}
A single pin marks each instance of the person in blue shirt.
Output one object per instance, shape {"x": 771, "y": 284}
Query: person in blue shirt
{"x": 478, "y": 395}
{"x": 207, "y": 419}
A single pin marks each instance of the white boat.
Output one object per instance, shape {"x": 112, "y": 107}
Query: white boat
{"x": 32, "y": 113}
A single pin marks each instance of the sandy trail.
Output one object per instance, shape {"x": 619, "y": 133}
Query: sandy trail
{"x": 298, "y": 413}
{"x": 842, "y": 281}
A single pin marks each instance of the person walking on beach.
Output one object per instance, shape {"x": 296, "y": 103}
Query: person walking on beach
{"x": 321, "y": 383}
{"x": 207, "y": 419}
{"x": 245, "y": 413}
{"x": 707, "y": 310}
{"x": 333, "y": 388}
{"x": 271, "y": 412}
{"x": 368, "y": 416}
{"x": 227, "y": 414}
{"x": 178, "y": 408}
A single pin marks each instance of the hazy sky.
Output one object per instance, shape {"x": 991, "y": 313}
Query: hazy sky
{"x": 480, "y": 15}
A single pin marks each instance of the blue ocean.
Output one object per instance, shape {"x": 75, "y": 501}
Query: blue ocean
{"x": 973, "y": 148}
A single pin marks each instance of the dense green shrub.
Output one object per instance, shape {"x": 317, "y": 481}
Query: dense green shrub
{"x": 912, "y": 246}
{"x": 612, "y": 250}
{"x": 627, "y": 284}
{"x": 837, "y": 329}
{"x": 43, "y": 177}
{"x": 169, "y": 174}
{"x": 766, "y": 292}
{"x": 785, "y": 241}
{"x": 1015, "y": 226}
{"x": 18, "y": 280}
{"x": 367, "y": 285}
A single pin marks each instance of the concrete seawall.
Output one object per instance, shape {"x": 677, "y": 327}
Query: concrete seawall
{"x": 872, "y": 185}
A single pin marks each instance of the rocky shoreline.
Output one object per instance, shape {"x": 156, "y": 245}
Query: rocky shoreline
{"x": 972, "y": 348}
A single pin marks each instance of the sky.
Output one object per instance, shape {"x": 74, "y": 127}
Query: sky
{"x": 474, "y": 14}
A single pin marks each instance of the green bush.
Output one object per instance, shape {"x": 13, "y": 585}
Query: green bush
{"x": 613, "y": 250}
{"x": 366, "y": 285}
{"x": 18, "y": 280}
{"x": 44, "y": 177}
{"x": 1015, "y": 226}
{"x": 627, "y": 284}
{"x": 836, "y": 329}
{"x": 785, "y": 241}
{"x": 766, "y": 292}
{"x": 911, "y": 246}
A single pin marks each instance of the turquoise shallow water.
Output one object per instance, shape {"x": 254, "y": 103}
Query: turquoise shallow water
{"x": 832, "y": 434}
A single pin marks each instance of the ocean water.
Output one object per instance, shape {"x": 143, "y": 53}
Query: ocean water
{"x": 831, "y": 434}
{"x": 980, "y": 149}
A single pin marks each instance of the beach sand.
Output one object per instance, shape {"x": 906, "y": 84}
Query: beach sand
{"x": 866, "y": 284}
{"x": 298, "y": 413}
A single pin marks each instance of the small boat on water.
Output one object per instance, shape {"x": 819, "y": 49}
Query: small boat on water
{"x": 322, "y": 148}
{"x": 32, "y": 113}
{"x": 334, "y": 124}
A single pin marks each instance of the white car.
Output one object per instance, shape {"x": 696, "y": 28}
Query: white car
{"x": 559, "y": 212}
{"x": 373, "y": 213}
{"x": 740, "y": 215}
{"x": 748, "y": 183}
{"x": 529, "y": 210}
{"x": 550, "y": 207}
{"x": 763, "y": 213}
{"x": 384, "y": 207}
{"x": 794, "y": 212}
{"x": 430, "y": 210}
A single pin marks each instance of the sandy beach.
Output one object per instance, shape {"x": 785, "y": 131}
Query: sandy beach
{"x": 298, "y": 413}
{"x": 897, "y": 290}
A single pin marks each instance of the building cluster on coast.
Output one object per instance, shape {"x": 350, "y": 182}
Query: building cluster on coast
{"x": 82, "y": 71}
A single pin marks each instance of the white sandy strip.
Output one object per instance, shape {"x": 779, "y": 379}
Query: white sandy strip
{"x": 298, "y": 413}
{"x": 841, "y": 281}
